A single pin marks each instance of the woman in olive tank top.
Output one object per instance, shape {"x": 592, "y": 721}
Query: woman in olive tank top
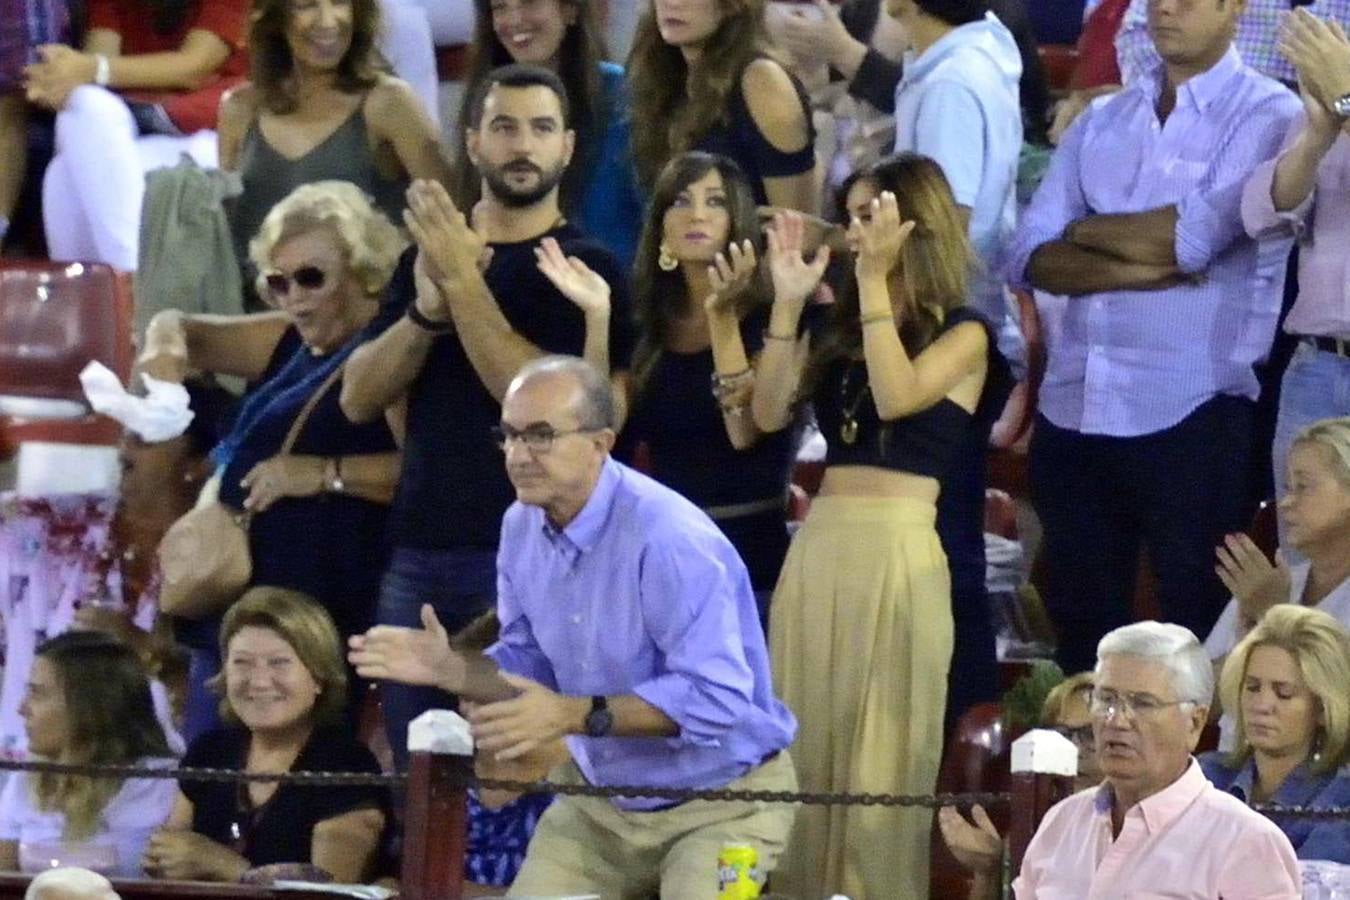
{"x": 318, "y": 108}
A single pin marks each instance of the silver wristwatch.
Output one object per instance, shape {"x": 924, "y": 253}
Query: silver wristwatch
{"x": 1341, "y": 106}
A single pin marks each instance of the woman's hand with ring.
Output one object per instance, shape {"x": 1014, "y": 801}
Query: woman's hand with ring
{"x": 282, "y": 476}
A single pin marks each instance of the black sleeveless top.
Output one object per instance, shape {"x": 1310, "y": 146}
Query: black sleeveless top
{"x": 737, "y": 137}
{"x": 681, "y": 423}
{"x": 331, "y": 546}
{"x": 924, "y": 443}
{"x": 268, "y": 177}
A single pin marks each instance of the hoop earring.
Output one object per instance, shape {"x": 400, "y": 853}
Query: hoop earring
{"x": 665, "y": 260}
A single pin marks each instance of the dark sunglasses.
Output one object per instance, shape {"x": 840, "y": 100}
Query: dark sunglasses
{"x": 308, "y": 277}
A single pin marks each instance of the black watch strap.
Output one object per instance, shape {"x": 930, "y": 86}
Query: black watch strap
{"x": 422, "y": 321}
{"x": 599, "y": 721}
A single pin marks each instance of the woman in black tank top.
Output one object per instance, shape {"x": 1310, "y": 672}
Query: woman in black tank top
{"x": 861, "y": 635}
{"x": 702, "y": 306}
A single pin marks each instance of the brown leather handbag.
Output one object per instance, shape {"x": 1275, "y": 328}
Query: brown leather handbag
{"x": 204, "y": 557}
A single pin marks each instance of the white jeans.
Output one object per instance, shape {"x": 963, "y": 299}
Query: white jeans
{"x": 93, "y": 188}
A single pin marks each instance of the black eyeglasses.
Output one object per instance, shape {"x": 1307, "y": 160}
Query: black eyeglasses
{"x": 537, "y": 439}
{"x": 308, "y": 277}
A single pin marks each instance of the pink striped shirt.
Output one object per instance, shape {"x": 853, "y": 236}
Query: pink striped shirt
{"x": 1189, "y": 841}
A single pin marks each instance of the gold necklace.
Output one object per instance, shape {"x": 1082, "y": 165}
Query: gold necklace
{"x": 848, "y": 429}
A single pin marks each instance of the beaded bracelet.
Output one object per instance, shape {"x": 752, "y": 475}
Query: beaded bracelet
{"x": 770, "y": 336}
{"x": 724, "y": 386}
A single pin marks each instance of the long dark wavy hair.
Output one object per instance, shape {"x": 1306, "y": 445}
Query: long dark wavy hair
{"x": 579, "y": 56}
{"x": 110, "y": 718}
{"x": 272, "y": 67}
{"x": 658, "y": 297}
{"x": 672, "y": 106}
{"x": 931, "y": 275}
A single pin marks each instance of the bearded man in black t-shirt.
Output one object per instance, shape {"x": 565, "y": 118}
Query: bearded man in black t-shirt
{"x": 467, "y": 308}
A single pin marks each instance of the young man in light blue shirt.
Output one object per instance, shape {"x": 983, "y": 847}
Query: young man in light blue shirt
{"x": 957, "y": 103}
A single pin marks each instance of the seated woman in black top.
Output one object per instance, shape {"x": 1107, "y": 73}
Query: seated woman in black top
{"x": 707, "y": 81}
{"x": 861, "y": 632}
{"x": 284, "y": 691}
{"x": 318, "y": 511}
{"x": 702, "y": 306}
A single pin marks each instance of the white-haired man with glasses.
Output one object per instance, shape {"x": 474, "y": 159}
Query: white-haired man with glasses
{"x": 1156, "y": 826}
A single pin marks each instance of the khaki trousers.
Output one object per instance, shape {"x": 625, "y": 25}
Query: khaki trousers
{"x": 586, "y": 845}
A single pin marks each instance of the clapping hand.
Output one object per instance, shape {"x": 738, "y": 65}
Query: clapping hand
{"x": 532, "y": 719}
{"x": 574, "y": 279}
{"x": 1320, "y": 51}
{"x": 1254, "y": 581}
{"x": 978, "y": 847}
{"x": 880, "y": 239}
{"x": 794, "y": 279}
{"x": 729, "y": 276}
{"x": 452, "y": 249}
{"x": 407, "y": 655}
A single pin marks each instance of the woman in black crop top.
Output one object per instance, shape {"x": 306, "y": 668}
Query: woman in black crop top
{"x": 702, "y": 77}
{"x": 861, "y": 636}
{"x": 702, "y": 306}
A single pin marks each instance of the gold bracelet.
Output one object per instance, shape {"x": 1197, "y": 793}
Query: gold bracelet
{"x": 770, "y": 336}
{"x": 877, "y": 317}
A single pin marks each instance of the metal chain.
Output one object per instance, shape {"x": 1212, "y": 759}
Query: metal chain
{"x": 345, "y": 779}
{"x": 676, "y": 795}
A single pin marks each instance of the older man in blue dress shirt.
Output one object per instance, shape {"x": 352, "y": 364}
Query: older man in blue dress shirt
{"x": 628, "y": 628}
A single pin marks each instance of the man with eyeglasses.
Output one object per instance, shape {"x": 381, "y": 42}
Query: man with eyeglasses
{"x": 478, "y": 304}
{"x": 629, "y": 629}
{"x": 1156, "y": 826}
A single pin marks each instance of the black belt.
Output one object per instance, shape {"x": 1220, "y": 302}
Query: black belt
{"x": 1338, "y": 346}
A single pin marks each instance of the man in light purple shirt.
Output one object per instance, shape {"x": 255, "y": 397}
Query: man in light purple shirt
{"x": 1305, "y": 193}
{"x": 629, "y": 629}
{"x": 1164, "y": 306}
{"x": 1156, "y": 827}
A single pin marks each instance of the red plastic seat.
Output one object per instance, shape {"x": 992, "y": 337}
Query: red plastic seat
{"x": 1059, "y": 61}
{"x": 975, "y": 760}
{"x": 54, "y": 319}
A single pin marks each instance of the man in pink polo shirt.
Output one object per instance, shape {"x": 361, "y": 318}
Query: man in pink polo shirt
{"x": 1156, "y": 827}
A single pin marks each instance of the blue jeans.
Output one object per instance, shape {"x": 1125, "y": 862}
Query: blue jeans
{"x": 1316, "y": 386}
{"x": 460, "y": 585}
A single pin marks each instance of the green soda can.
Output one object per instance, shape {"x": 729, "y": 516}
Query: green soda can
{"x": 738, "y": 875}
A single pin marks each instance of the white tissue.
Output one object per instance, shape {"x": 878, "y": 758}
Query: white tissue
{"x": 158, "y": 416}
{"x": 440, "y": 731}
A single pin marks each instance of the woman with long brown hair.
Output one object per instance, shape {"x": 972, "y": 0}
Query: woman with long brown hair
{"x": 599, "y": 188}
{"x": 320, "y": 107}
{"x": 861, "y": 632}
{"x": 703, "y": 77}
{"x": 702, "y": 305}
{"x": 88, "y": 702}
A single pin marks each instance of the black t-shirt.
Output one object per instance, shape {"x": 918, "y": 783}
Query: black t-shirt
{"x": 453, "y": 489}
{"x": 282, "y": 829}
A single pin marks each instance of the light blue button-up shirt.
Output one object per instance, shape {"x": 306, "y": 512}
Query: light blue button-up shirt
{"x": 1127, "y": 363}
{"x": 642, "y": 594}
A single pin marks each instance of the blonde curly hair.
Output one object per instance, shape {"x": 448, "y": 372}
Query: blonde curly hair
{"x": 370, "y": 242}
